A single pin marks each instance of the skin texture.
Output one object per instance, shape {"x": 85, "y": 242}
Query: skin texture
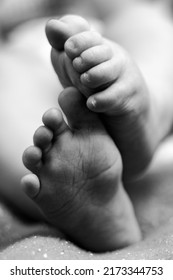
{"x": 113, "y": 85}
{"x": 157, "y": 185}
{"x": 155, "y": 214}
{"x": 79, "y": 169}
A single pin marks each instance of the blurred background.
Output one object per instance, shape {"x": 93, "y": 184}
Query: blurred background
{"x": 15, "y": 12}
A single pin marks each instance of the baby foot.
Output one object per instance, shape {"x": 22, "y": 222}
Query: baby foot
{"x": 111, "y": 81}
{"x": 78, "y": 49}
{"x": 77, "y": 182}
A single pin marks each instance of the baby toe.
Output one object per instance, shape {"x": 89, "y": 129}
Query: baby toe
{"x": 58, "y": 31}
{"x": 92, "y": 57}
{"x": 54, "y": 120}
{"x": 101, "y": 75}
{"x": 108, "y": 101}
{"x": 78, "y": 43}
{"x": 31, "y": 185}
{"x": 32, "y": 158}
{"x": 43, "y": 137}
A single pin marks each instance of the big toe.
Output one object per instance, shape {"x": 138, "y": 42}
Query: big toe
{"x": 58, "y": 31}
{"x": 73, "y": 104}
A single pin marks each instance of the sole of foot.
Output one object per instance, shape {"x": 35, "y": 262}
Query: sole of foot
{"x": 76, "y": 178}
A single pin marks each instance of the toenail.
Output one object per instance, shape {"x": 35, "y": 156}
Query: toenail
{"x": 77, "y": 61}
{"x": 92, "y": 103}
{"x": 85, "y": 77}
{"x": 70, "y": 45}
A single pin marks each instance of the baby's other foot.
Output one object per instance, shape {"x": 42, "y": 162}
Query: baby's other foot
{"x": 76, "y": 178}
{"x": 80, "y": 55}
{"x": 104, "y": 72}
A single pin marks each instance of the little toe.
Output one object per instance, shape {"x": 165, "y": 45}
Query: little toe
{"x": 80, "y": 42}
{"x": 31, "y": 185}
{"x": 92, "y": 57}
{"x": 32, "y": 158}
{"x": 43, "y": 137}
{"x": 109, "y": 100}
{"x": 54, "y": 120}
{"x": 58, "y": 31}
